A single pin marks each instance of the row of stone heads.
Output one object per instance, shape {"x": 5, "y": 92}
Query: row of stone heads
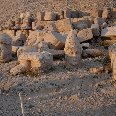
{"x": 25, "y": 20}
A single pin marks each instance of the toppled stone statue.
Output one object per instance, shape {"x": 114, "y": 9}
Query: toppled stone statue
{"x": 5, "y": 48}
{"x": 33, "y": 61}
{"x": 72, "y": 49}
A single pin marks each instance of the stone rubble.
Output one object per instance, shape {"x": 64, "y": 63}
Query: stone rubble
{"x": 36, "y": 38}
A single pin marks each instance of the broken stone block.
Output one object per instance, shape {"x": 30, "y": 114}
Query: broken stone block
{"x": 72, "y": 50}
{"x": 95, "y": 29}
{"x": 40, "y": 16}
{"x": 109, "y": 32}
{"x": 99, "y": 21}
{"x": 15, "y": 49}
{"x": 34, "y": 37}
{"x": 96, "y": 70}
{"x": 27, "y": 24}
{"x": 19, "y": 39}
{"x": 17, "y": 24}
{"x": 50, "y": 16}
{"x": 96, "y": 13}
{"x": 50, "y": 26}
{"x": 82, "y": 23}
{"x": 63, "y": 25}
{"x": 85, "y": 34}
{"x": 23, "y": 67}
{"x": 85, "y": 45}
{"x": 55, "y": 40}
{"x": 33, "y": 61}
{"x": 107, "y": 13}
{"x": 114, "y": 13}
{"x": 5, "y": 48}
{"x": 11, "y": 33}
{"x": 91, "y": 53}
{"x": 112, "y": 54}
{"x": 67, "y": 13}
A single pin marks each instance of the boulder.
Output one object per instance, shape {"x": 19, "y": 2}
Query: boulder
{"x": 85, "y": 34}
{"x": 109, "y": 32}
{"x": 72, "y": 50}
{"x": 5, "y": 48}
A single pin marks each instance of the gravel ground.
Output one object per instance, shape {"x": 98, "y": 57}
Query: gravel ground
{"x": 11, "y": 8}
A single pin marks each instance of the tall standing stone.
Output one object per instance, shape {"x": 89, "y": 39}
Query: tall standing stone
{"x": 72, "y": 49}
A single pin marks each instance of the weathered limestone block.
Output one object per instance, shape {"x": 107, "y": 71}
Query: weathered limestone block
{"x": 85, "y": 34}
{"x": 50, "y": 16}
{"x": 91, "y": 53}
{"x": 15, "y": 49}
{"x": 11, "y": 33}
{"x": 55, "y": 40}
{"x": 5, "y": 48}
{"x": 23, "y": 67}
{"x": 99, "y": 21}
{"x": 107, "y": 13}
{"x": 63, "y": 25}
{"x": 109, "y": 32}
{"x": 19, "y": 39}
{"x": 34, "y": 37}
{"x": 114, "y": 13}
{"x": 50, "y": 26}
{"x": 80, "y": 25}
{"x": 33, "y": 61}
{"x": 40, "y": 16}
{"x": 96, "y": 13}
{"x": 17, "y": 24}
{"x": 112, "y": 54}
{"x": 95, "y": 29}
{"x": 67, "y": 13}
{"x": 72, "y": 50}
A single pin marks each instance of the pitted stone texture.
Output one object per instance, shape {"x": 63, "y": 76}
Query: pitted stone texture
{"x": 72, "y": 49}
{"x": 85, "y": 34}
{"x": 5, "y": 48}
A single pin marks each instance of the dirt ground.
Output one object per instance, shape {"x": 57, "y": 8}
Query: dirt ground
{"x": 60, "y": 92}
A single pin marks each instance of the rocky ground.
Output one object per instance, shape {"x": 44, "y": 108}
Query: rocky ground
{"x": 62, "y": 91}
{"x": 11, "y": 8}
